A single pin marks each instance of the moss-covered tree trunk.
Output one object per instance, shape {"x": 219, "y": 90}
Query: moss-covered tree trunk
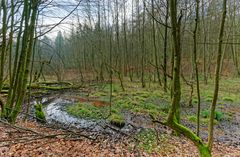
{"x": 174, "y": 113}
{"x": 175, "y": 109}
{"x": 25, "y": 70}
{"x": 19, "y": 81}
{"x": 217, "y": 77}
{"x": 14, "y": 75}
{"x": 3, "y": 47}
{"x": 20, "y": 62}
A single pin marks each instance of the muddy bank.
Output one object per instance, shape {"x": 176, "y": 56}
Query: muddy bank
{"x": 55, "y": 112}
{"x": 227, "y": 130}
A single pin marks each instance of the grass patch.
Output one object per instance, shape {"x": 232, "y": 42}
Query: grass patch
{"x": 194, "y": 100}
{"x": 209, "y": 98}
{"x": 115, "y": 87}
{"x": 192, "y": 118}
{"x": 228, "y": 99}
{"x": 86, "y": 110}
{"x": 117, "y": 120}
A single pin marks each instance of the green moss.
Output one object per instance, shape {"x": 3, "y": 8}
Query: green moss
{"x": 192, "y": 118}
{"x": 208, "y": 99}
{"x": 40, "y": 116}
{"x": 4, "y": 91}
{"x": 54, "y": 83}
{"x": 147, "y": 108}
{"x": 157, "y": 94}
{"x": 143, "y": 94}
{"x": 115, "y": 87}
{"x": 40, "y": 92}
{"x": 164, "y": 107}
{"x": 85, "y": 110}
{"x": 206, "y": 121}
{"x": 126, "y": 103}
{"x": 139, "y": 110}
{"x": 117, "y": 120}
{"x": 98, "y": 94}
{"x": 194, "y": 100}
{"x": 203, "y": 149}
{"x": 230, "y": 114}
{"x": 139, "y": 99}
{"x": 228, "y": 99}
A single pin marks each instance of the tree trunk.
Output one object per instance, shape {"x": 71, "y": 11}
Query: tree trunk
{"x": 176, "y": 27}
{"x": 4, "y": 42}
{"x": 165, "y": 47}
{"x": 174, "y": 114}
{"x": 196, "y": 64}
{"x": 217, "y": 77}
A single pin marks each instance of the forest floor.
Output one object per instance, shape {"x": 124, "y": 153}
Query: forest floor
{"x": 133, "y": 107}
{"x": 16, "y": 141}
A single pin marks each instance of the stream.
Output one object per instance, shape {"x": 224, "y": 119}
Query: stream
{"x": 55, "y": 113}
{"x": 54, "y": 109}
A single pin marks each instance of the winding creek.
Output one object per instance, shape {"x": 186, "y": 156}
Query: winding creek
{"x": 54, "y": 109}
{"x": 55, "y": 113}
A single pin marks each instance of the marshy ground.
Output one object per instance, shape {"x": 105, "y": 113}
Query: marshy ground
{"x": 131, "y": 120}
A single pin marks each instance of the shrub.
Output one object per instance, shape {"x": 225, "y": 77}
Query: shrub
{"x": 40, "y": 116}
{"x": 218, "y": 115}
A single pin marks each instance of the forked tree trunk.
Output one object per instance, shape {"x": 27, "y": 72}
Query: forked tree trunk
{"x": 174, "y": 114}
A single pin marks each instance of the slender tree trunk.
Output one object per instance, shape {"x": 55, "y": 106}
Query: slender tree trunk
{"x": 126, "y": 56}
{"x": 165, "y": 47}
{"x": 217, "y": 77}
{"x": 154, "y": 44}
{"x": 196, "y": 64}
{"x": 143, "y": 47}
{"x": 132, "y": 45}
{"x": 204, "y": 44}
{"x": 11, "y": 40}
{"x": 101, "y": 77}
